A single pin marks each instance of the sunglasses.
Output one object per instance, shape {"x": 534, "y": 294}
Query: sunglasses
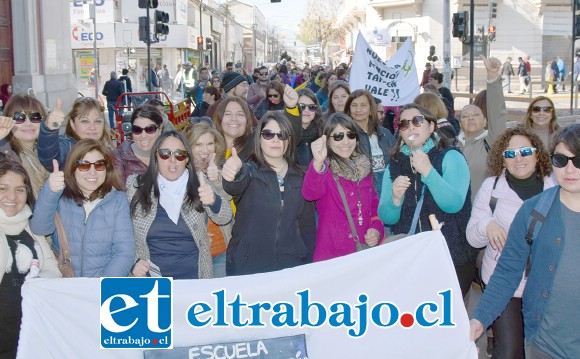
{"x": 310, "y": 108}
{"x": 524, "y": 152}
{"x": 149, "y": 129}
{"x": 215, "y": 80}
{"x": 537, "y": 109}
{"x": 339, "y": 136}
{"x": 268, "y": 135}
{"x": 165, "y": 153}
{"x": 417, "y": 122}
{"x": 84, "y": 166}
{"x": 273, "y": 96}
{"x": 20, "y": 117}
{"x": 560, "y": 161}
{"x": 263, "y": 73}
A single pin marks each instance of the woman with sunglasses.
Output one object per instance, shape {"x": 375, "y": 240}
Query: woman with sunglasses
{"x": 311, "y": 125}
{"x": 209, "y": 96}
{"x": 542, "y": 119}
{"x": 337, "y": 97}
{"x": 427, "y": 176}
{"x": 19, "y": 129}
{"x": 520, "y": 168}
{"x": 375, "y": 141}
{"x": 88, "y": 196}
{"x": 86, "y": 120}
{"x": 275, "y": 227}
{"x": 208, "y": 148}
{"x": 550, "y": 257}
{"x": 133, "y": 156}
{"x": 170, "y": 206}
{"x": 339, "y": 165}
{"x": 274, "y": 100}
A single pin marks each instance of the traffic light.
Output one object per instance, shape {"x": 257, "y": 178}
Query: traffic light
{"x": 143, "y": 34}
{"x": 492, "y": 10}
{"x": 460, "y": 24}
{"x": 208, "y": 43}
{"x": 577, "y": 25}
{"x": 275, "y": 0}
{"x": 161, "y": 19}
{"x": 491, "y": 32}
{"x": 432, "y": 56}
{"x": 152, "y": 4}
{"x": 200, "y": 43}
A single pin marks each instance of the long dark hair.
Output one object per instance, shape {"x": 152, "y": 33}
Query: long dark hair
{"x": 285, "y": 128}
{"x": 330, "y": 124}
{"x": 570, "y": 137}
{"x": 318, "y": 113}
{"x": 373, "y": 124}
{"x": 149, "y": 112}
{"x": 338, "y": 84}
{"x": 148, "y": 181}
{"x": 7, "y": 165}
{"x": 242, "y": 141}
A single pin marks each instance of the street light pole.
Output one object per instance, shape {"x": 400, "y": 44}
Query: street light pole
{"x": 93, "y": 14}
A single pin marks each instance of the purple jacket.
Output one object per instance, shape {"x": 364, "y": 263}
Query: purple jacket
{"x": 126, "y": 163}
{"x": 333, "y": 237}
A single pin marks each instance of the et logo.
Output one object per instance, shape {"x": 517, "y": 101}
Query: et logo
{"x": 136, "y": 313}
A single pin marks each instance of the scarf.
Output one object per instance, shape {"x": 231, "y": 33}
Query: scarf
{"x": 37, "y": 173}
{"x": 427, "y": 146}
{"x": 357, "y": 168}
{"x": 171, "y": 194}
{"x": 16, "y": 224}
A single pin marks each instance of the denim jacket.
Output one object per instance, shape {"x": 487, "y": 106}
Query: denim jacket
{"x": 545, "y": 257}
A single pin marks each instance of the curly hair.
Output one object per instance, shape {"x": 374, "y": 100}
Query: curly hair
{"x": 495, "y": 160}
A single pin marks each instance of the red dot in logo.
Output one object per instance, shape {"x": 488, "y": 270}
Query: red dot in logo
{"x": 407, "y": 320}
{"x": 154, "y": 341}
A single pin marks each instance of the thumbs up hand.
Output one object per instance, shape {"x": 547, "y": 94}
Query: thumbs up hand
{"x": 232, "y": 166}
{"x": 6, "y": 125}
{"x": 319, "y": 152}
{"x": 213, "y": 172}
{"x": 206, "y": 194}
{"x": 56, "y": 178}
{"x": 56, "y": 117}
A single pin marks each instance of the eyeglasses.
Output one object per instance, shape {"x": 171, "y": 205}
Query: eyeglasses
{"x": 273, "y": 95}
{"x": 264, "y": 73}
{"x": 149, "y": 129}
{"x": 339, "y": 136}
{"x": 524, "y": 152}
{"x": 560, "y": 161}
{"x": 84, "y": 166}
{"x": 417, "y": 122}
{"x": 165, "y": 153}
{"x": 311, "y": 107}
{"x": 269, "y": 134}
{"x": 20, "y": 117}
{"x": 537, "y": 109}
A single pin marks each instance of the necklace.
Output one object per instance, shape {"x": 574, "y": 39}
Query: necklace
{"x": 280, "y": 175}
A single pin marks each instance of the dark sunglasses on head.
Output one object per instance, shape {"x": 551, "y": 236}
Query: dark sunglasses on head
{"x": 339, "y": 136}
{"x": 560, "y": 161}
{"x": 269, "y": 134}
{"x": 273, "y": 95}
{"x": 311, "y": 107}
{"x": 537, "y": 109}
{"x": 149, "y": 129}
{"x": 524, "y": 152}
{"x": 84, "y": 166}
{"x": 165, "y": 153}
{"x": 20, "y": 117}
{"x": 417, "y": 122}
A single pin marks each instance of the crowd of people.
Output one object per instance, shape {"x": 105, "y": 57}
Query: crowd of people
{"x": 291, "y": 166}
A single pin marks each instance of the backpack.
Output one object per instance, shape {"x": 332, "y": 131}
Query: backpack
{"x": 537, "y": 218}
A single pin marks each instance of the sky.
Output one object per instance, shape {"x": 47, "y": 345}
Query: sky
{"x": 286, "y": 15}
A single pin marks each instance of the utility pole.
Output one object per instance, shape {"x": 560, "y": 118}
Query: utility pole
{"x": 149, "y": 86}
{"x": 200, "y": 33}
{"x": 446, "y": 44}
{"x": 471, "y": 56}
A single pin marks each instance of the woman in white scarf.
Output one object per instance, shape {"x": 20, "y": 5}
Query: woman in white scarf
{"x": 170, "y": 206}
{"x": 22, "y": 254}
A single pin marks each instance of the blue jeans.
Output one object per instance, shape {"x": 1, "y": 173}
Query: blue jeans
{"x": 219, "y": 266}
{"x": 112, "y": 112}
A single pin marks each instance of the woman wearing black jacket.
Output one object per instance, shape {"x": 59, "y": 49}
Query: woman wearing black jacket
{"x": 275, "y": 226}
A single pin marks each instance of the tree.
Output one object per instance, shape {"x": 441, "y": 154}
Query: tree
{"x": 320, "y": 25}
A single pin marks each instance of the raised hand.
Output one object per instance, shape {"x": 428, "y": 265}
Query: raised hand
{"x": 206, "y": 193}
{"x": 319, "y": 152}
{"x": 6, "y": 124}
{"x": 56, "y": 178}
{"x": 492, "y": 65}
{"x": 372, "y": 237}
{"x": 420, "y": 161}
{"x": 213, "y": 172}
{"x": 232, "y": 166}
{"x": 400, "y": 185}
{"x": 56, "y": 117}
{"x": 290, "y": 96}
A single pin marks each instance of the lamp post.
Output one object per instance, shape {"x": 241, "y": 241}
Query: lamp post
{"x": 89, "y": 9}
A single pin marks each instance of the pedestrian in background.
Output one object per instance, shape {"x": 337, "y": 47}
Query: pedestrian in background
{"x": 112, "y": 90}
{"x": 507, "y": 71}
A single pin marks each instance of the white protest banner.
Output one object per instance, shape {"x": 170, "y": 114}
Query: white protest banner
{"x": 399, "y": 300}
{"x": 394, "y": 82}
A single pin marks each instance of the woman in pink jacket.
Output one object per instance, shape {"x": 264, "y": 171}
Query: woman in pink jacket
{"x": 339, "y": 160}
{"x": 520, "y": 168}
